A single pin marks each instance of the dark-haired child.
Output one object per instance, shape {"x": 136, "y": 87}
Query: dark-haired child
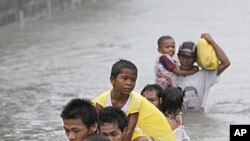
{"x": 172, "y": 107}
{"x": 144, "y": 119}
{"x": 152, "y": 92}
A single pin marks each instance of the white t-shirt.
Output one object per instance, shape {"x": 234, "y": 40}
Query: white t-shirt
{"x": 196, "y": 88}
{"x": 124, "y": 108}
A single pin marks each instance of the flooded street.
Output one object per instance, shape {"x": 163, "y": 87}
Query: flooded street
{"x": 51, "y": 61}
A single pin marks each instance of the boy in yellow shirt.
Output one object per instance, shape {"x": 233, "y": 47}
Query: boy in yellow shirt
{"x": 145, "y": 121}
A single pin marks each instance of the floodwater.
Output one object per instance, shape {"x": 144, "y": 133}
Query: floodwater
{"x": 51, "y": 61}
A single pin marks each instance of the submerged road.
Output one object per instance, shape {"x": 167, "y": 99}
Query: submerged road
{"x": 51, "y": 61}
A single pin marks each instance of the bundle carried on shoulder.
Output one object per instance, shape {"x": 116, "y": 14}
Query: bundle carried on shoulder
{"x": 206, "y": 56}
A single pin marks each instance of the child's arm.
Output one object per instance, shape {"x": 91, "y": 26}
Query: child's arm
{"x": 132, "y": 121}
{"x": 170, "y": 66}
{"x": 224, "y": 61}
{"x": 185, "y": 72}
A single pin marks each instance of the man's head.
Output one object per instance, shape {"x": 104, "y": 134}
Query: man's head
{"x": 123, "y": 76}
{"x": 112, "y": 123}
{"x": 79, "y": 119}
{"x": 187, "y": 49}
{"x": 187, "y": 55}
{"x": 152, "y": 92}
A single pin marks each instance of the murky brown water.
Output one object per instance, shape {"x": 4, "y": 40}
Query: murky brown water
{"x": 50, "y": 62}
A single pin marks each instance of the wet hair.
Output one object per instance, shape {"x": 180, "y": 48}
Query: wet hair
{"x": 80, "y": 109}
{"x": 163, "y": 38}
{"x": 113, "y": 115}
{"x": 172, "y": 101}
{"x": 97, "y": 137}
{"x": 153, "y": 87}
{"x": 122, "y": 64}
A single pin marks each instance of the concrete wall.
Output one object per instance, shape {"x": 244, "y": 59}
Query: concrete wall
{"x": 24, "y": 11}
